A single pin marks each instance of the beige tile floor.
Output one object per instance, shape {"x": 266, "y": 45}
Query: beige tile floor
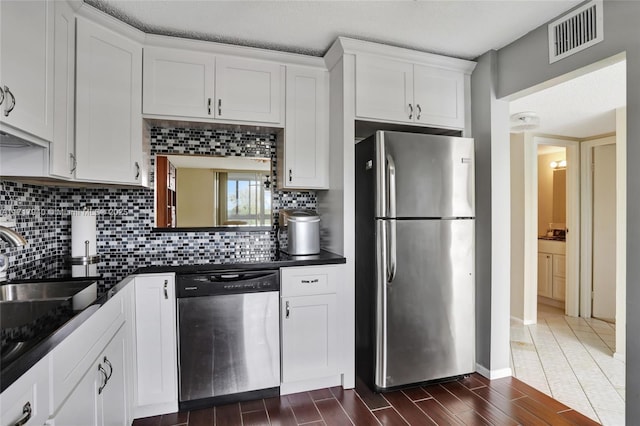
{"x": 571, "y": 359}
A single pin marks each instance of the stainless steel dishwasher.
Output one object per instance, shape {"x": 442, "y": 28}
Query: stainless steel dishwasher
{"x": 228, "y": 337}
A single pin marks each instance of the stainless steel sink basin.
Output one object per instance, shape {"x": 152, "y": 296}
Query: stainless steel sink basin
{"x": 82, "y": 293}
{"x": 21, "y": 313}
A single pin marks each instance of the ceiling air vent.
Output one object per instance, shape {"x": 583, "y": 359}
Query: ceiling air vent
{"x": 576, "y": 31}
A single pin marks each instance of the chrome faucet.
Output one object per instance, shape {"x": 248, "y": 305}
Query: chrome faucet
{"x": 14, "y": 239}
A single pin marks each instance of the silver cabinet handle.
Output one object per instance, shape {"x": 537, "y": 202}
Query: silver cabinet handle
{"x": 166, "y": 294}
{"x": 106, "y": 361}
{"x": 287, "y": 311}
{"x": 419, "y": 111}
{"x": 1, "y": 96}
{"x": 72, "y": 157}
{"x": 219, "y": 106}
{"x": 290, "y": 175}
{"x": 309, "y": 281}
{"x": 26, "y": 415}
{"x": 7, "y": 110}
{"x": 209, "y": 106}
{"x": 105, "y": 379}
{"x": 137, "y": 170}
{"x": 410, "y": 111}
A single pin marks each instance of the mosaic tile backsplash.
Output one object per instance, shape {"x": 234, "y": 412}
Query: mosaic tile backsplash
{"x": 124, "y": 224}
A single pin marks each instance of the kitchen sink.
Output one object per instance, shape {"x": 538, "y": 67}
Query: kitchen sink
{"x": 82, "y": 293}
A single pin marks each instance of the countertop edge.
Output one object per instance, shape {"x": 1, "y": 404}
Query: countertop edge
{"x": 16, "y": 369}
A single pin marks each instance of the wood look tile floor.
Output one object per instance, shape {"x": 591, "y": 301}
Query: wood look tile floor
{"x": 470, "y": 401}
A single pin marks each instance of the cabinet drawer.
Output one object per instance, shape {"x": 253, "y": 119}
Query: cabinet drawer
{"x": 73, "y": 357}
{"x": 32, "y": 388}
{"x": 307, "y": 280}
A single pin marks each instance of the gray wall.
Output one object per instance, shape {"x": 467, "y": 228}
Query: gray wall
{"x": 523, "y": 64}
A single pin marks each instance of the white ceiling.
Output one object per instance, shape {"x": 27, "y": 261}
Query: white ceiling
{"x": 458, "y": 28}
{"x": 581, "y": 107}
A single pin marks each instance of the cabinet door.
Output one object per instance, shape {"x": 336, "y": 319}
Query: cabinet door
{"x": 248, "y": 90}
{"x": 113, "y": 401}
{"x": 30, "y": 390}
{"x": 26, "y": 67}
{"x": 156, "y": 345}
{"x": 559, "y": 288}
{"x": 108, "y": 107}
{"x": 545, "y": 278}
{"x": 439, "y": 97}
{"x": 309, "y": 337}
{"x": 384, "y": 89}
{"x": 81, "y": 408}
{"x": 62, "y": 150}
{"x": 177, "y": 82}
{"x": 306, "y": 162}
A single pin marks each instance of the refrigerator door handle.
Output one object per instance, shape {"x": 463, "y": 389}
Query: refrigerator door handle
{"x": 391, "y": 188}
{"x": 391, "y": 251}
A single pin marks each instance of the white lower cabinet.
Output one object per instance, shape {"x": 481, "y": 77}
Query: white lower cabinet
{"x": 100, "y": 398}
{"x": 27, "y": 397}
{"x": 309, "y": 332}
{"x": 156, "y": 384}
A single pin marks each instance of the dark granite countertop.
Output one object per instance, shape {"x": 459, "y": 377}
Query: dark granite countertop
{"x": 278, "y": 260}
{"x": 12, "y": 372}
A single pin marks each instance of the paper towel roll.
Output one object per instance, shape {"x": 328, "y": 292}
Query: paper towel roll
{"x": 83, "y": 228}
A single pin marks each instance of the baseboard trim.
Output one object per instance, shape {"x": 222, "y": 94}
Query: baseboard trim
{"x": 517, "y": 320}
{"x": 620, "y": 357}
{"x": 493, "y": 374}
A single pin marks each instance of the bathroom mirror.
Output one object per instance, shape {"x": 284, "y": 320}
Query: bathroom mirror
{"x": 212, "y": 192}
{"x": 559, "y": 206}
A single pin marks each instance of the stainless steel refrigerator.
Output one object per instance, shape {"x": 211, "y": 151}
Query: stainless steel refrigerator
{"x": 415, "y": 285}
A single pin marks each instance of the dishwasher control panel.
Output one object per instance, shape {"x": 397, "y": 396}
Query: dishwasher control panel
{"x": 227, "y": 282}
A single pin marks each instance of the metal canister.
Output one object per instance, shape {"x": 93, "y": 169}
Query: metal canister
{"x": 303, "y": 231}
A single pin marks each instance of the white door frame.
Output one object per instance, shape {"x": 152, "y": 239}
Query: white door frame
{"x": 586, "y": 240}
{"x": 572, "y": 302}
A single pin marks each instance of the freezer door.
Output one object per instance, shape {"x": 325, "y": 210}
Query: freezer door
{"x": 424, "y": 176}
{"x": 425, "y": 309}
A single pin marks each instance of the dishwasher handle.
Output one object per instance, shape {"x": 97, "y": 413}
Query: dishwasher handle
{"x": 226, "y": 282}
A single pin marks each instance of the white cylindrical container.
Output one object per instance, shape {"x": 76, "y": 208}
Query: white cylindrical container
{"x": 83, "y": 229}
{"x": 303, "y": 232}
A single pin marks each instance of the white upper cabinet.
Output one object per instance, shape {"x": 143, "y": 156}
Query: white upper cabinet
{"x": 62, "y": 150}
{"x": 402, "y": 91}
{"x": 26, "y": 67}
{"x": 438, "y": 96}
{"x": 108, "y": 105}
{"x": 248, "y": 90}
{"x": 178, "y": 82}
{"x": 306, "y": 142}
{"x": 384, "y": 88}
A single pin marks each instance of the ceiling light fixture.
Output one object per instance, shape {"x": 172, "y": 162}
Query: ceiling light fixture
{"x": 524, "y": 121}
{"x": 562, "y": 164}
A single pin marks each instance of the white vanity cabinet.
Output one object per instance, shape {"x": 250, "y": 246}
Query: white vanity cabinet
{"x": 27, "y": 397}
{"x": 309, "y": 327}
{"x": 26, "y": 68}
{"x": 304, "y": 152}
{"x": 156, "y": 365}
{"x": 402, "y": 91}
{"x": 108, "y": 105}
{"x": 248, "y": 90}
{"x": 178, "y": 82}
{"x": 552, "y": 270}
